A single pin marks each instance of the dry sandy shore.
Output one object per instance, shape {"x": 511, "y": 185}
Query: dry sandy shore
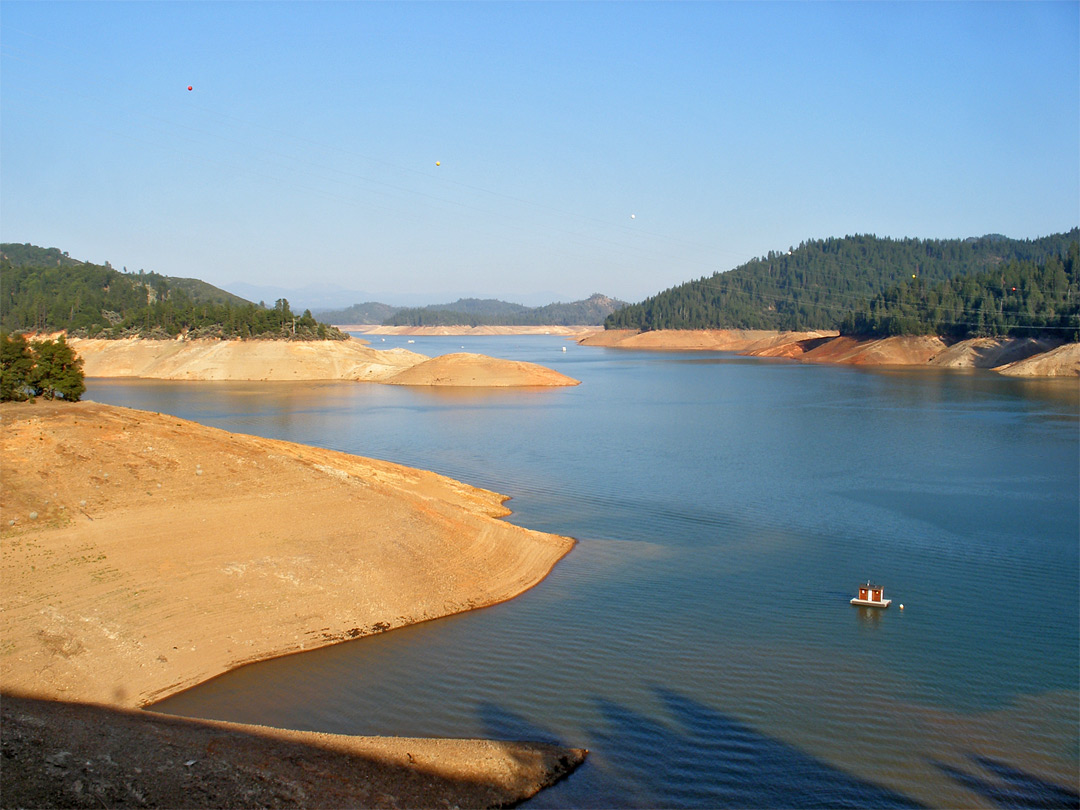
{"x": 1019, "y": 357}
{"x": 467, "y": 331}
{"x": 474, "y": 370}
{"x": 142, "y": 554}
{"x": 299, "y": 360}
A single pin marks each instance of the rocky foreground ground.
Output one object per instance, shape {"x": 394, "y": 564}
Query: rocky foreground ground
{"x": 77, "y": 755}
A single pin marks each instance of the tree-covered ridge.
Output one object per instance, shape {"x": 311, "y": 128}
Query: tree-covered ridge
{"x": 489, "y": 312}
{"x": 89, "y": 300}
{"x": 201, "y": 292}
{"x": 820, "y": 283}
{"x": 27, "y": 255}
{"x": 482, "y": 307}
{"x": 1017, "y": 299}
{"x": 369, "y": 312}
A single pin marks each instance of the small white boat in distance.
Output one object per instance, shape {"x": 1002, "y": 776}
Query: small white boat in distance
{"x": 871, "y": 596}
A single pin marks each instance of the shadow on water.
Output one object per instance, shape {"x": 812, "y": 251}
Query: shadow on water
{"x": 501, "y": 724}
{"x": 595, "y": 783}
{"x": 695, "y": 756}
{"x": 1010, "y": 787}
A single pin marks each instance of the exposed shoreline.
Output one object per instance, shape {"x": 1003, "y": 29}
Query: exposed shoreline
{"x": 83, "y": 755}
{"x": 281, "y": 360}
{"x": 1017, "y": 357}
{"x": 143, "y": 554}
{"x": 467, "y": 331}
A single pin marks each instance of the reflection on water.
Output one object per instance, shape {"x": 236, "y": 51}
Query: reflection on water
{"x": 869, "y": 617}
{"x": 699, "y": 639}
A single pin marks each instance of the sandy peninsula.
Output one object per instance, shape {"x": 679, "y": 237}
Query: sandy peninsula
{"x": 241, "y": 359}
{"x": 280, "y": 360}
{"x": 142, "y": 554}
{"x": 475, "y": 370}
{"x": 1028, "y": 357}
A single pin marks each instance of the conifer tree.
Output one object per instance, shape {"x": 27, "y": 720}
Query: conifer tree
{"x": 45, "y": 368}
{"x": 16, "y": 366}
{"x": 57, "y": 371}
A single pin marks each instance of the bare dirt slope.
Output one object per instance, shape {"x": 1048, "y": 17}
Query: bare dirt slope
{"x": 735, "y": 340}
{"x": 894, "y": 351}
{"x": 1039, "y": 356}
{"x": 991, "y": 352}
{"x": 477, "y": 370}
{"x": 142, "y": 554}
{"x": 1064, "y": 361}
{"x": 241, "y": 359}
{"x": 301, "y": 360}
{"x": 609, "y": 338}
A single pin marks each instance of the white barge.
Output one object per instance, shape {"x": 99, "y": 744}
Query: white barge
{"x": 871, "y": 596}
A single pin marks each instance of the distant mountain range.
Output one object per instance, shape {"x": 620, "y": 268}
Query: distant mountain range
{"x": 44, "y": 288}
{"x": 370, "y": 312}
{"x": 329, "y": 297}
{"x": 479, "y": 312}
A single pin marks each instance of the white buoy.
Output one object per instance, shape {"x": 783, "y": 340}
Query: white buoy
{"x": 901, "y": 607}
{"x": 564, "y": 348}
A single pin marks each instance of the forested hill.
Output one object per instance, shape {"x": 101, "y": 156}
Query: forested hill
{"x": 819, "y": 284}
{"x": 489, "y": 312}
{"x": 44, "y": 290}
{"x": 369, "y": 312}
{"x": 25, "y": 255}
{"x": 1017, "y": 299}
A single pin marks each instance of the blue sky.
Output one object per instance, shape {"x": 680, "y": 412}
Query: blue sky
{"x": 306, "y": 151}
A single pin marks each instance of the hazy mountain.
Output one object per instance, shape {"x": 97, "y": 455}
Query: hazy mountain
{"x": 333, "y": 297}
{"x": 370, "y": 312}
{"x": 492, "y": 312}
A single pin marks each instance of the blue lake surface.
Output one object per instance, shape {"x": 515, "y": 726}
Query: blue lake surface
{"x": 699, "y": 639}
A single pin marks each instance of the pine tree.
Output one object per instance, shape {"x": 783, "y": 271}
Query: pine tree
{"x": 16, "y": 367}
{"x": 57, "y": 371}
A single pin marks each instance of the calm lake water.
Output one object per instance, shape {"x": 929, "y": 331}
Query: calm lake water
{"x": 699, "y": 639}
